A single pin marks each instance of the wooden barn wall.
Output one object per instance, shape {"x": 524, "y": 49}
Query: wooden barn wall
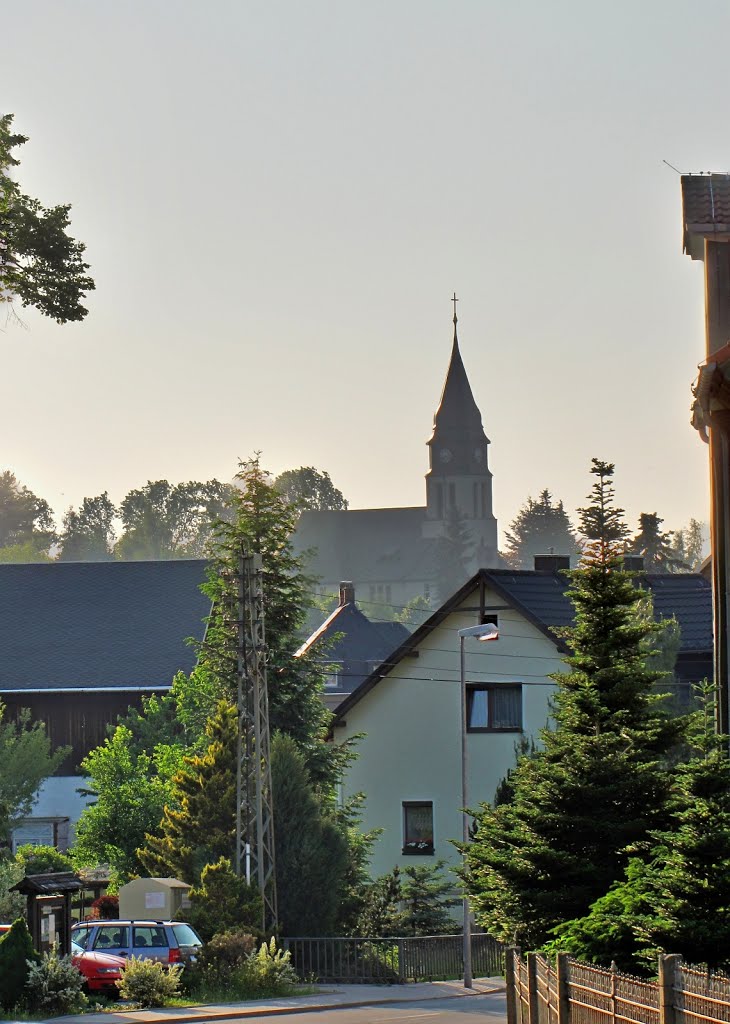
{"x": 80, "y": 721}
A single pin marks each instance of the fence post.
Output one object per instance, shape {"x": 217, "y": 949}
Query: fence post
{"x": 532, "y": 997}
{"x": 510, "y": 979}
{"x": 668, "y": 969}
{"x": 563, "y": 988}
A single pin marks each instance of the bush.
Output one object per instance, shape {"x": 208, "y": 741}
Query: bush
{"x": 218, "y": 961}
{"x": 224, "y": 902}
{"x": 269, "y": 969}
{"x": 149, "y": 983}
{"x": 38, "y": 860}
{"x": 106, "y": 907}
{"x": 16, "y": 954}
{"x": 54, "y": 985}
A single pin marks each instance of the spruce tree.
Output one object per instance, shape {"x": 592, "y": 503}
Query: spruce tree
{"x": 655, "y": 547}
{"x": 540, "y": 527}
{"x": 16, "y": 955}
{"x": 598, "y": 785}
{"x": 427, "y": 896}
{"x": 199, "y": 825}
{"x": 263, "y": 522}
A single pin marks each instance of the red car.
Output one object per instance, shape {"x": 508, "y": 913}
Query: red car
{"x": 100, "y": 970}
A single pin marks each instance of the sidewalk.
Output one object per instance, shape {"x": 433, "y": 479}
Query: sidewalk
{"x": 328, "y": 998}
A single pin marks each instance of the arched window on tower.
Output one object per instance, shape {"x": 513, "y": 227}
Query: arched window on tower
{"x": 439, "y": 496}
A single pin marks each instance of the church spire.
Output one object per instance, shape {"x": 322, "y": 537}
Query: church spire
{"x": 457, "y": 416}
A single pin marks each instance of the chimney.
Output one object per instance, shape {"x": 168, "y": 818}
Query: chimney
{"x": 551, "y": 563}
{"x": 633, "y": 563}
{"x": 347, "y": 592}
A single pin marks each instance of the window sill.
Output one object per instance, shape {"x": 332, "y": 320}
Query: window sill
{"x": 414, "y": 851}
{"x": 486, "y": 728}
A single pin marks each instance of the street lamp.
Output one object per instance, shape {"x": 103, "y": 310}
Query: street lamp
{"x": 487, "y": 631}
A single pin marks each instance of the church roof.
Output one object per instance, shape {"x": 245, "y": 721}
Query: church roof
{"x": 458, "y": 414}
{"x": 366, "y": 545}
{"x": 99, "y": 625}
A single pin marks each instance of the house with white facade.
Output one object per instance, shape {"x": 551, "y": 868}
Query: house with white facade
{"x": 409, "y": 708}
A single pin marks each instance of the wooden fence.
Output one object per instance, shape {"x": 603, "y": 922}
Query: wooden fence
{"x": 571, "y": 992}
{"x": 392, "y": 961}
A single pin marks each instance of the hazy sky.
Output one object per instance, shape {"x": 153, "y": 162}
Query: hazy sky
{"x": 278, "y": 199}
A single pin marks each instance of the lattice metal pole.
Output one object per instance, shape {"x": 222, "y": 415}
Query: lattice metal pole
{"x": 254, "y": 811}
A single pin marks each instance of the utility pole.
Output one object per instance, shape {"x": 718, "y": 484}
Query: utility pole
{"x": 254, "y": 804}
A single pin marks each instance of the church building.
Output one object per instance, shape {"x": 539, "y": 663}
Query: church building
{"x": 395, "y": 554}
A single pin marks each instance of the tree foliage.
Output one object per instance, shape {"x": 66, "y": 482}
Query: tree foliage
{"x": 311, "y": 850}
{"x": 25, "y": 519}
{"x": 16, "y": 956}
{"x": 310, "y": 488}
{"x": 161, "y": 520}
{"x": 88, "y": 534}
{"x": 26, "y": 760}
{"x": 540, "y": 527}
{"x": 223, "y": 901}
{"x": 598, "y": 785}
{"x": 39, "y": 262}
{"x": 688, "y": 545}
{"x": 654, "y": 546}
{"x": 130, "y": 788}
{"x": 198, "y": 824}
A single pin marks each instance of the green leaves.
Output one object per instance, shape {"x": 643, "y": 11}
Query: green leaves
{"x": 39, "y": 261}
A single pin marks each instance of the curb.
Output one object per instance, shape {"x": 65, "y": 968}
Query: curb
{"x": 239, "y": 1012}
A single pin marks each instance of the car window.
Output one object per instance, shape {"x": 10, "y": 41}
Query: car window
{"x": 81, "y": 936}
{"x": 113, "y": 936}
{"x": 148, "y": 935}
{"x": 185, "y": 935}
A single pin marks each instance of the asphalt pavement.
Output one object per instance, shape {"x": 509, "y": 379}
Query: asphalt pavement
{"x": 325, "y": 998}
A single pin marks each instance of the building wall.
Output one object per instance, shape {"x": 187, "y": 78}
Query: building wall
{"x": 56, "y": 809}
{"x": 412, "y": 721}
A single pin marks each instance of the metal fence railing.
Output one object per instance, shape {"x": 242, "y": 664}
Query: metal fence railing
{"x": 571, "y": 992}
{"x": 393, "y": 961}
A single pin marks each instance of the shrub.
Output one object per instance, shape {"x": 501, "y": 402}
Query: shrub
{"x": 224, "y": 902}
{"x": 38, "y": 860}
{"x": 16, "y": 953}
{"x": 106, "y": 907}
{"x": 149, "y": 983}
{"x": 218, "y": 961}
{"x": 269, "y": 969}
{"x": 54, "y": 985}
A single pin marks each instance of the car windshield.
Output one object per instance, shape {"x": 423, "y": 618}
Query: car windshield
{"x": 76, "y": 948}
{"x": 185, "y": 935}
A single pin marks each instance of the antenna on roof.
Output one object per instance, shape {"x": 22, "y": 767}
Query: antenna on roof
{"x": 672, "y": 166}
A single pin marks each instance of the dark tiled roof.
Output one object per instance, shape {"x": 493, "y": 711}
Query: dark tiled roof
{"x": 686, "y": 596}
{"x": 82, "y": 625}
{"x": 542, "y": 598}
{"x": 360, "y": 645}
{"x": 705, "y": 208}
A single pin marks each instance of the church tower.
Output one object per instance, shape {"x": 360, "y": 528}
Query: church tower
{"x": 459, "y": 481}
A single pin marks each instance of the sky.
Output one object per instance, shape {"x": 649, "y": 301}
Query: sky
{"x": 279, "y": 198}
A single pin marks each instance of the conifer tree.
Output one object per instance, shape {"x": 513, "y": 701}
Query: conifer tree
{"x": 262, "y": 521}
{"x": 199, "y": 824}
{"x": 311, "y": 851}
{"x": 427, "y": 896}
{"x": 540, "y": 527}
{"x": 654, "y": 546}
{"x": 597, "y": 786}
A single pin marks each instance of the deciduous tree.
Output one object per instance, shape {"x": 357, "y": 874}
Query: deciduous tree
{"x": 310, "y": 488}
{"x": 162, "y": 520}
{"x": 26, "y": 760}
{"x": 24, "y": 517}
{"x": 88, "y": 534}
{"x": 40, "y": 263}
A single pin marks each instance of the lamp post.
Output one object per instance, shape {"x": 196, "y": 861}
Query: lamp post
{"x": 487, "y": 631}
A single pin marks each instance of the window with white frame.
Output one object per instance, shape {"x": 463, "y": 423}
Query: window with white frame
{"x": 494, "y": 707}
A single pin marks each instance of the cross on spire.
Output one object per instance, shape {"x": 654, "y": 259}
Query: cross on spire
{"x": 455, "y": 300}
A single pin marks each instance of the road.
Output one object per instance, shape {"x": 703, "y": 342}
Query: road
{"x": 461, "y": 1010}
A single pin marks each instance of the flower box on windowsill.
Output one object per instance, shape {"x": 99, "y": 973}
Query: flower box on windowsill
{"x": 420, "y": 848}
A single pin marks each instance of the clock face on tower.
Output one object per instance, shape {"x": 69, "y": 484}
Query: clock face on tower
{"x": 445, "y": 455}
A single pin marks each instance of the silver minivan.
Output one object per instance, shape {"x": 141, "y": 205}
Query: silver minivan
{"x": 170, "y": 942}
